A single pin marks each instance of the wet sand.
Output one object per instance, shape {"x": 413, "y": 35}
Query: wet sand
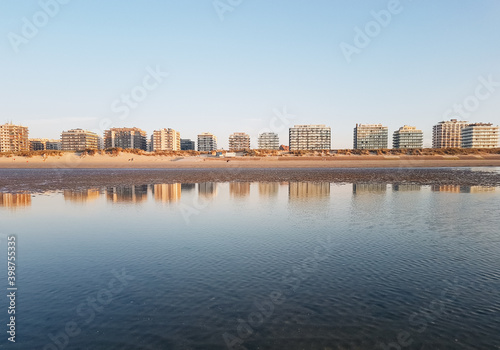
{"x": 41, "y": 180}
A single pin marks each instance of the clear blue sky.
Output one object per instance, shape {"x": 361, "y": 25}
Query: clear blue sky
{"x": 229, "y": 75}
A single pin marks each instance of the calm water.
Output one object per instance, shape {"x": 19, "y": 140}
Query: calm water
{"x": 256, "y": 266}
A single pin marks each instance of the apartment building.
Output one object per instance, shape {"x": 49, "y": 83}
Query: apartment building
{"x": 239, "y": 141}
{"x": 187, "y": 145}
{"x": 408, "y": 137}
{"x": 13, "y": 138}
{"x": 310, "y": 137}
{"x": 45, "y": 144}
{"x": 448, "y": 134}
{"x": 125, "y": 138}
{"x": 79, "y": 140}
{"x": 166, "y": 140}
{"x": 207, "y": 142}
{"x": 370, "y": 136}
{"x": 268, "y": 140}
{"x": 480, "y": 135}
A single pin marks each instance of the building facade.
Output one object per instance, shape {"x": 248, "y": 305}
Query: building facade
{"x": 79, "y": 140}
{"x": 480, "y": 135}
{"x": 310, "y": 137}
{"x": 371, "y": 136}
{"x": 166, "y": 140}
{"x": 448, "y": 134}
{"x": 14, "y": 138}
{"x": 125, "y": 138}
{"x": 207, "y": 142}
{"x": 408, "y": 137}
{"x": 269, "y": 140}
{"x": 45, "y": 144}
{"x": 239, "y": 141}
{"x": 187, "y": 145}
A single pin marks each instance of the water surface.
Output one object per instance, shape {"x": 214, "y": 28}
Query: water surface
{"x": 260, "y": 265}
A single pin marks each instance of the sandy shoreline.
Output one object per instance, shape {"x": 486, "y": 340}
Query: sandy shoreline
{"x": 72, "y": 172}
{"x": 41, "y": 180}
{"x": 124, "y": 160}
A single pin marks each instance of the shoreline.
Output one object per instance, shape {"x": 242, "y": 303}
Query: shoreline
{"x": 132, "y": 161}
{"x": 42, "y": 180}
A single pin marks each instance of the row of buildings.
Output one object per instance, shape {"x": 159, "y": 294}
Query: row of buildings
{"x": 446, "y": 134}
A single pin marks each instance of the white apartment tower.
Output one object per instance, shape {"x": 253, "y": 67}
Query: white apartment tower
{"x": 269, "y": 140}
{"x": 370, "y": 136}
{"x": 480, "y": 135}
{"x": 79, "y": 140}
{"x": 310, "y": 137}
{"x": 207, "y": 142}
{"x": 407, "y": 137}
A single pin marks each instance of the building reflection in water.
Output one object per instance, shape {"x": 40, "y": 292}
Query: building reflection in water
{"x": 167, "y": 192}
{"x": 479, "y": 189}
{"x": 207, "y": 189}
{"x": 187, "y": 187}
{"x": 462, "y": 189}
{"x": 268, "y": 189}
{"x": 127, "y": 194}
{"x": 308, "y": 189}
{"x": 361, "y": 188}
{"x": 239, "y": 189}
{"x": 406, "y": 187}
{"x": 81, "y": 195}
{"x": 446, "y": 188}
{"x": 15, "y": 200}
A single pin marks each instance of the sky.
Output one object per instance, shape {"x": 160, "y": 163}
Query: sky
{"x": 249, "y": 66}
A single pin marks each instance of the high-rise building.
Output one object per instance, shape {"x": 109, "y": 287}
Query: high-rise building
{"x": 448, "y": 134}
{"x": 480, "y": 135}
{"x": 408, "y": 137}
{"x": 14, "y": 138}
{"x": 370, "y": 136}
{"x": 125, "y": 138}
{"x": 79, "y": 140}
{"x": 269, "y": 140}
{"x": 45, "y": 144}
{"x": 166, "y": 140}
{"x": 187, "y": 145}
{"x": 239, "y": 141}
{"x": 207, "y": 142}
{"x": 310, "y": 137}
